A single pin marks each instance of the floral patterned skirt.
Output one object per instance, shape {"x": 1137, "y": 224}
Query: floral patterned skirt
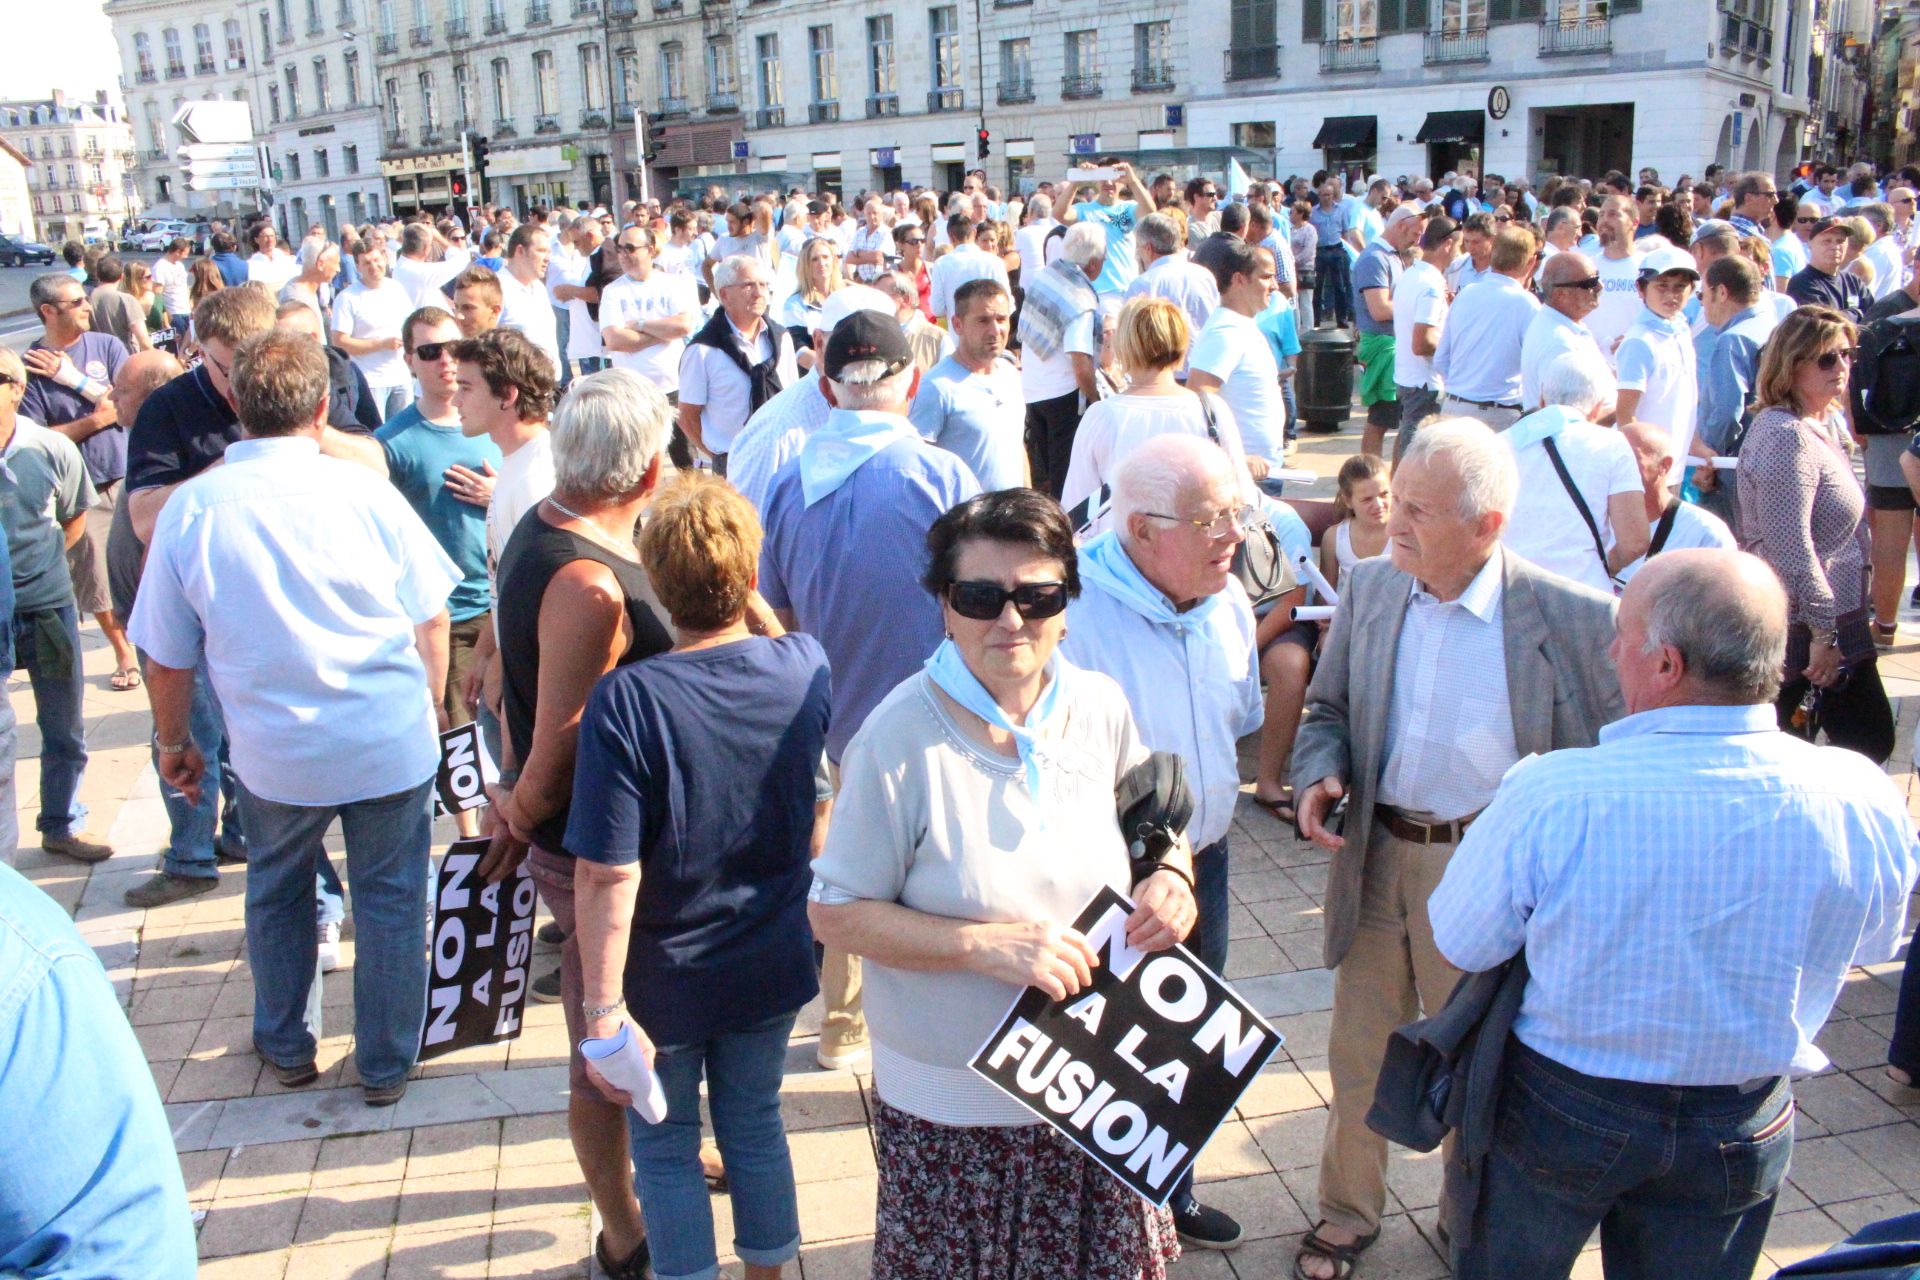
{"x": 1006, "y": 1203}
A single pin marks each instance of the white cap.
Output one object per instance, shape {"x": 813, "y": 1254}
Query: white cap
{"x": 1661, "y": 261}
{"x": 843, "y": 302}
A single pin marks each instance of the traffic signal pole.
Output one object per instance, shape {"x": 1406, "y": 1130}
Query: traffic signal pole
{"x": 466, "y": 165}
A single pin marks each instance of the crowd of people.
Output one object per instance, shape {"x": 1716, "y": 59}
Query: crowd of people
{"x": 817, "y": 572}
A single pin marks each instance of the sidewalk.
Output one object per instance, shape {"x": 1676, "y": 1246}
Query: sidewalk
{"x": 472, "y": 1174}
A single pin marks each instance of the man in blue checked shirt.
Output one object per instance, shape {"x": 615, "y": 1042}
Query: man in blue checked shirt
{"x": 1690, "y": 894}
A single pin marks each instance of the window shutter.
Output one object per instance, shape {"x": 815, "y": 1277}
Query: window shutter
{"x": 1415, "y": 17}
{"x": 1499, "y": 11}
{"x": 1623, "y": 6}
{"x": 1528, "y": 10}
{"x": 1387, "y": 21}
{"x": 1313, "y": 21}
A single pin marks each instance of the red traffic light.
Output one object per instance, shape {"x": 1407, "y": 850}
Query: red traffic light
{"x": 459, "y": 185}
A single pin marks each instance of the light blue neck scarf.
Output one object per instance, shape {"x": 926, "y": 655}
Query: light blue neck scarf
{"x": 1539, "y": 425}
{"x": 947, "y": 669}
{"x": 842, "y": 445}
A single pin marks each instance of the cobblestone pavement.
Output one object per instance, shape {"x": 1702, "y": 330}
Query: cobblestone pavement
{"x": 472, "y": 1174}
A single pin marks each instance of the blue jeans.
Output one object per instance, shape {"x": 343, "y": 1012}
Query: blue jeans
{"x": 1680, "y": 1181}
{"x": 743, "y": 1071}
{"x": 592, "y": 364}
{"x": 1333, "y": 294}
{"x": 1208, "y": 941}
{"x": 46, "y": 643}
{"x": 190, "y": 842}
{"x": 387, "y": 842}
{"x": 563, "y": 328}
{"x": 1293, "y": 411}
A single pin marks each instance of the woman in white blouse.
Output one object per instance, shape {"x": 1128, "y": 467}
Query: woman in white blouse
{"x": 975, "y": 819}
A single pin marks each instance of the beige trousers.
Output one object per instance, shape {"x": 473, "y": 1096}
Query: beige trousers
{"x": 845, "y": 1024}
{"x": 1391, "y": 974}
{"x": 1498, "y": 419}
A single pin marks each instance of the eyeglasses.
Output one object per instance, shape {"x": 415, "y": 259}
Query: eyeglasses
{"x": 431, "y": 351}
{"x": 67, "y": 304}
{"x": 624, "y": 247}
{"x": 1215, "y": 526}
{"x": 914, "y": 240}
{"x": 1503, "y": 217}
{"x": 1211, "y": 195}
{"x": 1826, "y": 360}
{"x": 1591, "y": 284}
{"x": 986, "y": 601}
{"x": 1771, "y": 195}
{"x": 1800, "y": 221}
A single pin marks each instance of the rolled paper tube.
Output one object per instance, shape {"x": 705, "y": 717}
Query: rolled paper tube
{"x": 1292, "y": 475}
{"x": 1725, "y": 464}
{"x": 1313, "y": 613}
{"x": 1311, "y": 572}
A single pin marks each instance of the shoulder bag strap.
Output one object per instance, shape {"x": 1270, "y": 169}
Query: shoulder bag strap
{"x": 1580, "y": 503}
{"x": 1664, "y": 528}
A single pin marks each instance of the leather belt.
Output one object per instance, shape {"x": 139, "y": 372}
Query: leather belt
{"x": 1481, "y": 404}
{"x": 1414, "y": 831}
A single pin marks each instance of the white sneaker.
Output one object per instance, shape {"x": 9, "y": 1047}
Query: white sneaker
{"x": 841, "y": 1057}
{"x": 329, "y": 937}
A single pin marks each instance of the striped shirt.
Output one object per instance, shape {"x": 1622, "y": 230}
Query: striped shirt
{"x": 1690, "y": 894}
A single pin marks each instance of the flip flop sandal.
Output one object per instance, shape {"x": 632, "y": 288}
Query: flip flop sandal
{"x": 125, "y": 680}
{"x": 1342, "y": 1256}
{"x": 1282, "y": 810}
{"x": 638, "y": 1265}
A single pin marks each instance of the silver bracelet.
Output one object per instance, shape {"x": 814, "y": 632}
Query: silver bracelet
{"x": 592, "y": 1011}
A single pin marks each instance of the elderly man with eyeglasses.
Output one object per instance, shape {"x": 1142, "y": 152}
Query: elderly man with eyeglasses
{"x": 1570, "y": 291}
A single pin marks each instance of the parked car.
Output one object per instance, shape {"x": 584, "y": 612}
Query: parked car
{"x": 15, "y": 252}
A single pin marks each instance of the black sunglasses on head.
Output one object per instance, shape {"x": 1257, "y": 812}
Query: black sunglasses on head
{"x": 986, "y": 601}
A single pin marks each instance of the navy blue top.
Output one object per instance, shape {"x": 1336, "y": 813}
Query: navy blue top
{"x": 700, "y": 766}
{"x": 99, "y": 356}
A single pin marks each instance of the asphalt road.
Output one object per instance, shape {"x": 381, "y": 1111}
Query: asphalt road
{"x": 17, "y": 327}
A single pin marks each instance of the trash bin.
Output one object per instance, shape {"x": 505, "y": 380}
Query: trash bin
{"x": 1323, "y": 385}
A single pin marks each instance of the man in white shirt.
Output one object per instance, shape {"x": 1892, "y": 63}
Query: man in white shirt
{"x": 1475, "y": 262}
{"x": 1671, "y": 523}
{"x": 872, "y": 243}
{"x": 1478, "y": 359}
{"x": 367, "y": 318}
{"x": 569, "y": 283}
{"x": 969, "y": 403}
{"x": 1232, "y": 358}
{"x": 1419, "y": 314}
{"x": 317, "y": 599}
{"x": 1657, "y": 377}
{"x": 683, "y": 253}
{"x": 171, "y": 278}
{"x": 646, "y": 315}
{"x": 1569, "y": 291}
{"x": 270, "y": 264}
{"x": 734, "y": 363}
{"x": 965, "y": 261}
{"x": 416, "y": 272}
{"x": 1618, "y": 267}
{"x": 1031, "y": 239}
{"x": 1167, "y": 272}
{"x": 524, "y": 302}
{"x": 1560, "y": 453}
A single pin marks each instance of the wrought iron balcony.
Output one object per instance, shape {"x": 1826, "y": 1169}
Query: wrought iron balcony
{"x": 457, "y": 29}
{"x": 593, "y": 117}
{"x": 176, "y": 71}
{"x": 1080, "y": 86}
{"x": 396, "y": 139}
{"x": 1253, "y": 62}
{"x": 623, "y": 8}
{"x": 723, "y": 102}
{"x": 675, "y": 106}
{"x": 430, "y": 135}
{"x": 823, "y": 112}
{"x": 387, "y": 42}
{"x": 1013, "y": 92}
{"x": 539, "y": 13}
{"x": 1560, "y": 37}
{"x": 1468, "y": 45}
{"x": 586, "y": 8}
{"x": 883, "y": 104}
{"x": 505, "y": 129}
{"x": 420, "y": 37}
{"x": 496, "y": 24}
{"x": 546, "y": 123}
{"x": 623, "y": 113}
{"x": 204, "y": 67}
{"x": 952, "y": 98}
{"x": 770, "y": 118}
{"x": 145, "y": 76}
{"x": 1350, "y": 55}
{"x": 1153, "y": 77}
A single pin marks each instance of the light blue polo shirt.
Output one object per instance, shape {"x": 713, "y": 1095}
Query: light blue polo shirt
{"x": 981, "y": 417}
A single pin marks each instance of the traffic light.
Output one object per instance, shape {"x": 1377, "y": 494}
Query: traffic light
{"x": 459, "y": 186}
{"x": 656, "y": 138}
{"x": 986, "y": 143}
{"x": 478, "y": 148}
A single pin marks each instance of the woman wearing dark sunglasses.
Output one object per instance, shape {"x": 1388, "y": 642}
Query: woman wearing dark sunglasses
{"x": 1802, "y": 511}
{"x": 975, "y": 818}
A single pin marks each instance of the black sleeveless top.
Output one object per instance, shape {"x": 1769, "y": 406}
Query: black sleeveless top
{"x": 535, "y": 552}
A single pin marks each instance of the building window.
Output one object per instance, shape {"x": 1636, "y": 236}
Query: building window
{"x": 176, "y": 61}
{"x": 388, "y": 26}
{"x": 1153, "y": 50}
{"x": 673, "y": 71}
{"x": 502, "y": 92}
{"x": 429, "y": 107}
{"x": 266, "y": 31}
{"x": 396, "y": 113}
{"x": 322, "y": 86}
{"x": 58, "y": 205}
{"x": 944, "y": 25}
{"x": 293, "y": 92}
{"x": 593, "y": 88}
{"x": 286, "y": 22}
{"x": 768, "y": 49}
{"x": 1083, "y": 55}
{"x": 420, "y": 17}
{"x": 463, "y": 94}
{"x": 356, "y": 208}
{"x": 350, "y": 158}
{"x": 202, "y": 48}
{"x": 236, "y": 44}
{"x": 880, "y": 68}
{"x": 1356, "y": 19}
{"x": 293, "y": 166}
{"x": 1016, "y": 66}
{"x": 1457, "y": 17}
{"x": 350, "y": 63}
{"x": 273, "y": 104}
{"x": 73, "y": 177}
{"x": 821, "y": 64}
{"x": 722, "y": 74}
{"x": 94, "y": 172}
{"x": 1254, "y": 133}
{"x": 628, "y": 65}
{"x": 314, "y": 24}
{"x": 155, "y": 138}
{"x": 143, "y": 55}
{"x": 321, "y": 167}
{"x": 546, "y": 85}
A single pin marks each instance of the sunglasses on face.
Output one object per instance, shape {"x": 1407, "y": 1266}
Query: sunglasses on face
{"x": 1591, "y": 284}
{"x": 1501, "y": 217}
{"x": 986, "y": 601}
{"x": 432, "y": 351}
{"x": 1827, "y": 360}
{"x": 1804, "y": 221}
{"x": 624, "y": 247}
{"x": 914, "y": 240}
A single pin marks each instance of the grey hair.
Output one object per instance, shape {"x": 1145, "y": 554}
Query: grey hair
{"x": 865, "y": 385}
{"x": 728, "y": 273}
{"x": 311, "y": 249}
{"x": 1480, "y": 459}
{"x": 43, "y": 291}
{"x": 1158, "y": 233}
{"x": 1155, "y": 476}
{"x": 1727, "y": 644}
{"x": 1559, "y": 218}
{"x": 1040, "y": 204}
{"x": 607, "y": 431}
{"x": 1879, "y": 214}
{"x": 1577, "y": 380}
{"x": 1084, "y": 245}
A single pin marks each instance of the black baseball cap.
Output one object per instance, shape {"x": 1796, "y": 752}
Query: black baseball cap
{"x": 865, "y": 335}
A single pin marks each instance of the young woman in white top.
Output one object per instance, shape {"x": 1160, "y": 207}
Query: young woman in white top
{"x": 818, "y": 273}
{"x": 1365, "y": 498}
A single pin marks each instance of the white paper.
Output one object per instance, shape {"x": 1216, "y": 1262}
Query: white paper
{"x": 1311, "y": 572}
{"x": 1313, "y": 613}
{"x": 619, "y": 1060}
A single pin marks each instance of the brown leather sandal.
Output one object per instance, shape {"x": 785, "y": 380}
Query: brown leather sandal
{"x": 1343, "y": 1256}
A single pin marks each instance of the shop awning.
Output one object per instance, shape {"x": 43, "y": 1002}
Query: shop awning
{"x": 1453, "y": 126}
{"x": 1338, "y": 133}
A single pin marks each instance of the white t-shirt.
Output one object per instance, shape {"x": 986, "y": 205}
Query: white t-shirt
{"x": 1659, "y": 364}
{"x": 680, "y": 259}
{"x": 627, "y": 301}
{"x": 366, "y": 314}
{"x": 422, "y": 280}
{"x": 583, "y": 335}
{"x": 1030, "y": 241}
{"x": 1111, "y": 430}
{"x": 175, "y": 285}
{"x": 964, "y": 264}
{"x": 1546, "y": 528}
{"x": 1619, "y": 303}
{"x": 1233, "y": 349}
{"x": 275, "y": 271}
{"x": 529, "y": 308}
{"x": 1050, "y": 379}
{"x": 1692, "y": 527}
{"x": 1419, "y": 298}
{"x": 525, "y": 478}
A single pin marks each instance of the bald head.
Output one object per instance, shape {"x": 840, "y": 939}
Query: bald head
{"x": 1653, "y": 452}
{"x": 140, "y": 374}
{"x": 1701, "y": 626}
{"x": 1564, "y": 282}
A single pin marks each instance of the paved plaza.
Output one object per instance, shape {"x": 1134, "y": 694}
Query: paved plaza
{"x": 472, "y": 1175}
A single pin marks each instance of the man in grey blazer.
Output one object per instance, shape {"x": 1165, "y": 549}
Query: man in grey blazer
{"x": 1445, "y": 665}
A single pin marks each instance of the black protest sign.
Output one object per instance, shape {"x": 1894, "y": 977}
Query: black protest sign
{"x": 465, "y": 770}
{"x": 1140, "y": 1068}
{"x": 482, "y": 943}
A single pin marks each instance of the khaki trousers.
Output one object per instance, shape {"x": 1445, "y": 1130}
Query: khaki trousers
{"x": 1498, "y": 419}
{"x": 845, "y": 1024}
{"x": 1390, "y": 974}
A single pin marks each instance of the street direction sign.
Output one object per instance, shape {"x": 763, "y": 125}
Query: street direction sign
{"x": 216, "y": 152}
{"x": 214, "y": 121}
